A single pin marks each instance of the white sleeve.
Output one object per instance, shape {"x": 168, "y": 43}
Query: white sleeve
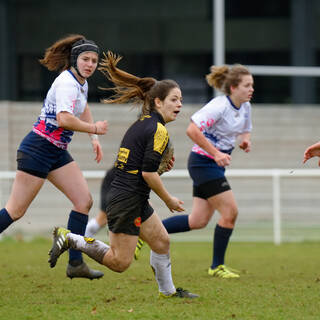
{"x": 207, "y": 116}
{"x": 248, "y": 122}
{"x": 66, "y": 97}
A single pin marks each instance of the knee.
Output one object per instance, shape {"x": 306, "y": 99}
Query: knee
{"x": 163, "y": 245}
{"x": 231, "y": 217}
{"x": 198, "y": 223}
{"x": 234, "y": 214}
{"x": 84, "y": 204}
{"x": 121, "y": 265}
{"x": 116, "y": 260}
{"x": 16, "y": 214}
{"x": 89, "y": 202}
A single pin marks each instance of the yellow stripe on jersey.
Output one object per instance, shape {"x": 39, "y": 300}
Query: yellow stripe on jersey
{"x": 145, "y": 117}
{"x": 161, "y": 138}
{"x": 133, "y": 171}
{"x": 123, "y": 155}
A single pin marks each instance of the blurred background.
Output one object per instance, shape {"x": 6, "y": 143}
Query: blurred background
{"x": 279, "y": 41}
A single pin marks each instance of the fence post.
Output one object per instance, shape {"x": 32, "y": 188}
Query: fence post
{"x": 276, "y": 207}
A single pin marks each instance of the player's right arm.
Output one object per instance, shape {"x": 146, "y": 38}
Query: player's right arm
{"x": 68, "y": 121}
{"x": 194, "y": 133}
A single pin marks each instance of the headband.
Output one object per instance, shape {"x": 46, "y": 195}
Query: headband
{"x": 79, "y": 47}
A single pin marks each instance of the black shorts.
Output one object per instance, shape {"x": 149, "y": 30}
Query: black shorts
{"x": 208, "y": 178}
{"x": 38, "y": 156}
{"x": 211, "y": 188}
{"x": 126, "y": 211}
{"x": 105, "y": 188}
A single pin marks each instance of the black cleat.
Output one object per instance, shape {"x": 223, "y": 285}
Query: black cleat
{"x": 83, "y": 271}
{"x": 180, "y": 293}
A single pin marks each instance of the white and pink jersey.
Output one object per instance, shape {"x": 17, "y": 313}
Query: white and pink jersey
{"x": 65, "y": 94}
{"x": 221, "y": 122}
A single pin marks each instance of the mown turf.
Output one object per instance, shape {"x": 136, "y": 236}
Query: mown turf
{"x": 277, "y": 282}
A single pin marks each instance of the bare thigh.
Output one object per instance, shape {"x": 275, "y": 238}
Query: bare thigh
{"x": 154, "y": 233}
{"x": 70, "y": 180}
{"x": 24, "y": 189}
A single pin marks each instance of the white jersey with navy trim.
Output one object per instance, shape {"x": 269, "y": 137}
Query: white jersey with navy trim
{"x": 65, "y": 94}
{"x": 221, "y": 122}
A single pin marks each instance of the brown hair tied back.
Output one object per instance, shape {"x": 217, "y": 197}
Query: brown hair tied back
{"x": 57, "y": 56}
{"x": 224, "y": 77}
{"x": 217, "y": 76}
{"x": 130, "y": 88}
{"x": 127, "y": 86}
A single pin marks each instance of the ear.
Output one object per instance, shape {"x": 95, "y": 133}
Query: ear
{"x": 157, "y": 102}
{"x": 232, "y": 88}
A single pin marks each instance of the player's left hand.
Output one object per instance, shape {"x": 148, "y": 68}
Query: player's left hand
{"x": 97, "y": 149}
{"x": 174, "y": 204}
{"x": 170, "y": 164}
{"x": 245, "y": 145}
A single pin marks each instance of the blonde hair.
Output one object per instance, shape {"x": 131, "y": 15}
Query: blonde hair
{"x": 57, "y": 56}
{"x": 130, "y": 88}
{"x": 223, "y": 77}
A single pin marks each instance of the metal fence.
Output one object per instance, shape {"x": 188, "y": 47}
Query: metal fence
{"x": 275, "y": 205}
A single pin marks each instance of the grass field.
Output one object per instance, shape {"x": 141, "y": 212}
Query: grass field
{"x": 277, "y": 282}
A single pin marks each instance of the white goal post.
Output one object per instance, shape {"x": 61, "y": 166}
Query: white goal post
{"x": 219, "y": 50}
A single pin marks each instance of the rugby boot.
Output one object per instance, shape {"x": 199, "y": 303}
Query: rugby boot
{"x": 180, "y": 293}
{"x": 59, "y": 245}
{"x": 83, "y": 271}
{"x": 137, "y": 251}
{"x": 222, "y": 271}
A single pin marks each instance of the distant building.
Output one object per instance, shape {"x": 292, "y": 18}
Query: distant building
{"x": 164, "y": 39}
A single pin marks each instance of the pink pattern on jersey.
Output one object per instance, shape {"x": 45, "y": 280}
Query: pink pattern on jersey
{"x": 73, "y": 105}
{"x": 53, "y": 137}
{"x": 206, "y": 124}
{"x": 198, "y": 150}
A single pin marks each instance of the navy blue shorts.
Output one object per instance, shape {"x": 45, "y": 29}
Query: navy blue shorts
{"x": 208, "y": 178}
{"x": 38, "y": 156}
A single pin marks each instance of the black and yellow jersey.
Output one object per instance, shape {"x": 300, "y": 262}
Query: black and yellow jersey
{"x": 141, "y": 149}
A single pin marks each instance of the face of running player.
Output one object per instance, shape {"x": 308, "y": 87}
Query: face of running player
{"x": 87, "y": 63}
{"x": 170, "y": 107}
{"x": 243, "y": 92}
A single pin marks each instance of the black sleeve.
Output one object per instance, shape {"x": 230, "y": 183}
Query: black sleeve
{"x": 157, "y": 140}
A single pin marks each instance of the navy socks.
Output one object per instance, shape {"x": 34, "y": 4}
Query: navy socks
{"x": 220, "y": 243}
{"x": 5, "y": 220}
{"x": 77, "y": 224}
{"x": 177, "y": 224}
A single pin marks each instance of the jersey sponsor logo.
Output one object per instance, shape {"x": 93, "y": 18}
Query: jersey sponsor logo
{"x": 137, "y": 222}
{"x": 123, "y": 155}
{"x": 73, "y": 105}
{"x": 206, "y": 124}
{"x": 119, "y": 165}
{"x": 161, "y": 138}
